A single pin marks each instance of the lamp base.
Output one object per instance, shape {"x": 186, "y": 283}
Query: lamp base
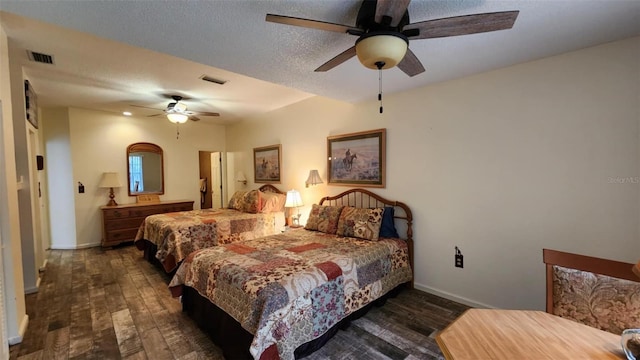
{"x": 112, "y": 196}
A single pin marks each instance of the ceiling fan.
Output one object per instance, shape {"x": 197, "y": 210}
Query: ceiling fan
{"x": 384, "y": 32}
{"x": 177, "y": 112}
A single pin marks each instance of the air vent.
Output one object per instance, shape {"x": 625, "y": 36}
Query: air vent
{"x": 40, "y": 57}
{"x": 213, "y": 80}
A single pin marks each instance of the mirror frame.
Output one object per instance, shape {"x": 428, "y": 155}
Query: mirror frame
{"x": 145, "y": 147}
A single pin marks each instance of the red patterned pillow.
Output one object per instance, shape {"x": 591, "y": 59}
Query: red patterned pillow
{"x": 324, "y": 218}
{"x": 250, "y": 202}
{"x": 236, "y": 199}
{"x": 360, "y": 223}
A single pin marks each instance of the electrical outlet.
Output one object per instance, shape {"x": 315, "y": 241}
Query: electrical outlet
{"x": 459, "y": 263}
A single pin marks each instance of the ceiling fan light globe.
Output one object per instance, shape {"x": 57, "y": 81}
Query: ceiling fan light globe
{"x": 177, "y": 118}
{"x": 386, "y": 48}
{"x": 180, "y": 107}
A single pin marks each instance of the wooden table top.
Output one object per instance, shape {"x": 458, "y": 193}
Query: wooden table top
{"x": 524, "y": 334}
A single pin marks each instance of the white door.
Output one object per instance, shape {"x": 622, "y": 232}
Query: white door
{"x": 216, "y": 180}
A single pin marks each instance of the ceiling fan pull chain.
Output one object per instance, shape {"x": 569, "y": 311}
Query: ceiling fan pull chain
{"x": 177, "y": 131}
{"x": 380, "y": 64}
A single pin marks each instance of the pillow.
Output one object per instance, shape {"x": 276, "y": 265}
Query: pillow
{"x": 251, "y": 202}
{"x": 234, "y": 203}
{"x": 360, "y": 223}
{"x": 272, "y": 202}
{"x": 388, "y": 228}
{"x": 324, "y": 218}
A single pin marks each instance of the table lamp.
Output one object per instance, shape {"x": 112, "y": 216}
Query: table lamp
{"x": 636, "y": 269}
{"x": 110, "y": 180}
{"x": 294, "y": 200}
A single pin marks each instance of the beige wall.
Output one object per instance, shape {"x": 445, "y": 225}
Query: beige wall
{"x": 12, "y": 273}
{"x": 502, "y": 164}
{"x": 97, "y": 142}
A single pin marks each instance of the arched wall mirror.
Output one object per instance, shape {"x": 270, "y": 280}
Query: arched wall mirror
{"x": 145, "y": 169}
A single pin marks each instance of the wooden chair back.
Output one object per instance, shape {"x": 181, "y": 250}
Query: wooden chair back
{"x": 594, "y": 265}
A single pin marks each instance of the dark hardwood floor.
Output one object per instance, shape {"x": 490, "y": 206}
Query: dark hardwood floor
{"x": 112, "y": 304}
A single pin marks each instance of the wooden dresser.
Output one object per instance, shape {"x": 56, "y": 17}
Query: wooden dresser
{"x": 120, "y": 223}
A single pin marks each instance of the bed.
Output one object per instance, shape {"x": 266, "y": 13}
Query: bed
{"x": 284, "y": 296}
{"x": 166, "y": 239}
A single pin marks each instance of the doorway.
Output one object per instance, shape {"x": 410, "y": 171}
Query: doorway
{"x": 211, "y": 184}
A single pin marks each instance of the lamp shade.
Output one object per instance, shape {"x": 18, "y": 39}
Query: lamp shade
{"x": 636, "y": 269}
{"x": 109, "y": 180}
{"x": 293, "y": 199}
{"x": 240, "y": 176}
{"x": 314, "y": 178}
{"x": 177, "y": 118}
{"x": 383, "y": 48}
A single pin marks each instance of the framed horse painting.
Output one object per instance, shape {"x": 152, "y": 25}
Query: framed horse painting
{"x": 266, "y": 164}
{"x": 357, "y": 158}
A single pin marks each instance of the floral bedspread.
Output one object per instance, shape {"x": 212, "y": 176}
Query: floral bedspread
{"x": 290, "y": 288}
{"x": 178, "y": 234}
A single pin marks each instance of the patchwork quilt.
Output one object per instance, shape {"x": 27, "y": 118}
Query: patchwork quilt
{"x": 290, "y": 288}
{"x": 178, "y": 234}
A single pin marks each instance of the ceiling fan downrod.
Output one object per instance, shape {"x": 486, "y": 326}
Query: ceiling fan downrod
{"x": 380, "y": 65}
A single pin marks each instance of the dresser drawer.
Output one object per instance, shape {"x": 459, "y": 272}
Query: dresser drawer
{"x": 118, "y": 236}
{"x": 128, "y": 223}
{"x": 115, "y": 213}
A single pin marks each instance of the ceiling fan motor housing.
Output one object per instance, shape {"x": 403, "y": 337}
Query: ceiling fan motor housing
{"x": 382, "y": 46}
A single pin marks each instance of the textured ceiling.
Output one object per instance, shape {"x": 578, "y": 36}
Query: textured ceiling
{"x": 110, "y": 54}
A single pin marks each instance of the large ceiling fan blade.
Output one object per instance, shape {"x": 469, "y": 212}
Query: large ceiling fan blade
{"x": 394, "y": 9}
{"x": 313, "y": 24}
{"x": 194, "y": 118}
{"x": 410, "y": 64}
{"x": 145, "y": 107}
{"x": 463, "y": 25}
{"x": 205, "y": 113}
{"x": 339, "y": 59}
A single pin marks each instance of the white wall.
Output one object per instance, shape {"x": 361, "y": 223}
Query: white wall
{"x": 501, "y": 164}
{"x": 96, "y": 142}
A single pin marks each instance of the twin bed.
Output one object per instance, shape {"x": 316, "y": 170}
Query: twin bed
{"x": 167, "y": 239}
{"x": 283, "y": 296}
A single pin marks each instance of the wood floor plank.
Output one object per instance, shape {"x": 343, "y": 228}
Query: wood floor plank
{"x": 126, "y": 332}
{"x": 57, "y": 344}
{"x": 155, "y": 346}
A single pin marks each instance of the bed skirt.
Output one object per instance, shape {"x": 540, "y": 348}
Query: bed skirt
{"x": 227, "y": 333}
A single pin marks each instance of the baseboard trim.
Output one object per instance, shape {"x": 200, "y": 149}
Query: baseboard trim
{"x": 23, "y": 329}
{"x": 44, "y": 265}
{"x": 33, "y": 290}
{"x": 453, "y": 297}
{"x": 77, "y": 247}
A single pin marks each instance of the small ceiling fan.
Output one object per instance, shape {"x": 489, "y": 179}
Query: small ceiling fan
{"x": 384, "y": 32}
{"x": 177, "y": 112}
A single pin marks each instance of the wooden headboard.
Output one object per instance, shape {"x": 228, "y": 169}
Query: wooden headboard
{"x": 270, "y": 188}
{"x": 362, "y": 198}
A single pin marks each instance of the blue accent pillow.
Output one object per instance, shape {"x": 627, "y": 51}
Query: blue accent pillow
{"x": 387, "y": 228}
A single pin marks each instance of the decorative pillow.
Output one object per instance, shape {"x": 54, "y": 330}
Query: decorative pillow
{"x": 272, "y": 202}
{"x": 324, "y": 218}
{"x": 234, "y": 202}
{"x": 250, "y": 202}
{"x": 388, "y": 228}
{"x": 360, "y": 223}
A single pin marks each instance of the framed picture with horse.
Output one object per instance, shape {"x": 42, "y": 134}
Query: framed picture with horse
{"x": 357, "y": 158}
{"x": 266, "y": 164}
